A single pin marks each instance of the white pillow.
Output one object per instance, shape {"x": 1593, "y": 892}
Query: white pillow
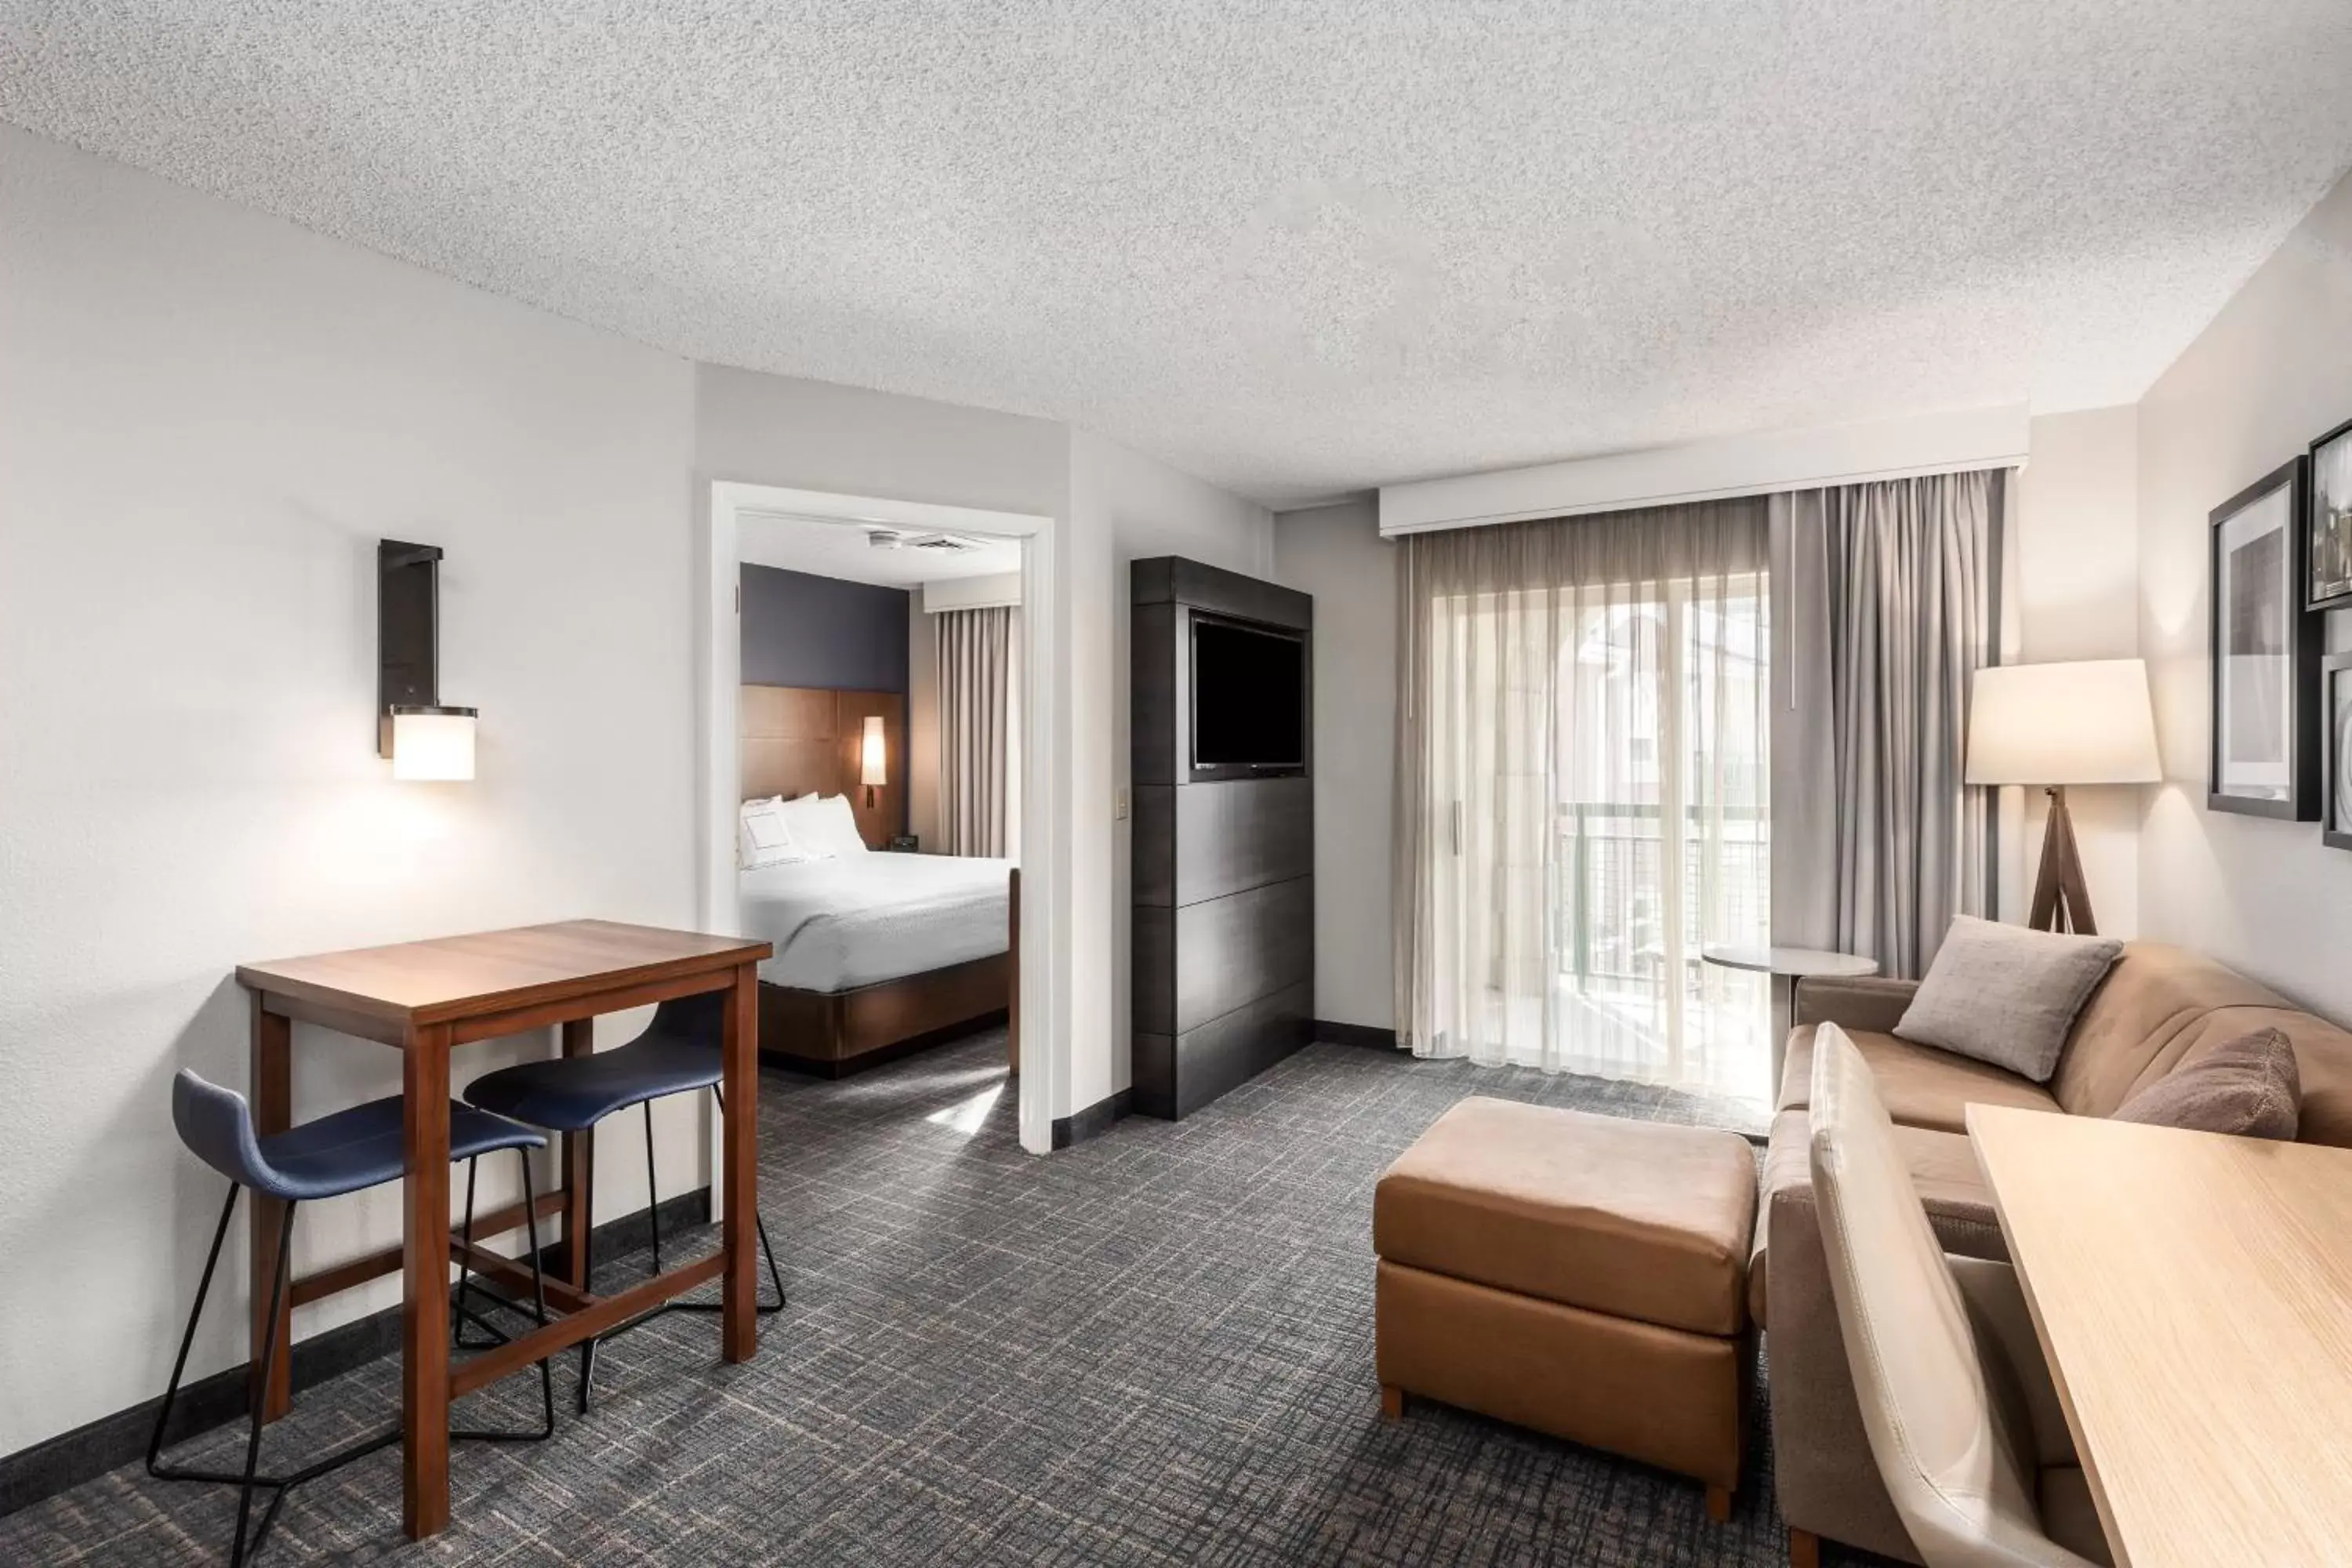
{"x": 763, "y": 837}
{"x": 840, "y": 830}
{"x": 811, "y": 827}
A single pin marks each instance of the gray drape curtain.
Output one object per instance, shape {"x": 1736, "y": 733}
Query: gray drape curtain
{"x": 1887, "y": 599}
{"x": 977, "y": 729}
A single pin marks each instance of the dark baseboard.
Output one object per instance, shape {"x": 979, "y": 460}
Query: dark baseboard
{"x": 110, "y": 1442}
{"x": 1355, "y": 1035}
{"x": 1092, "y": 1121}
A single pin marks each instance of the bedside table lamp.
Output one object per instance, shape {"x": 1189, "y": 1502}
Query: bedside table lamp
{"x": 2054, "y": 725}
{"x": 871, "y": 772}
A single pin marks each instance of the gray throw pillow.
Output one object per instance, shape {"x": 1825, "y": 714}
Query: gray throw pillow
{"x": 2249, "y": 1088}
{"x": 2006, "y": 995}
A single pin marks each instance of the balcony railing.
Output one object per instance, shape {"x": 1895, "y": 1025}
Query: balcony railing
{"x": 1614, "y": 927}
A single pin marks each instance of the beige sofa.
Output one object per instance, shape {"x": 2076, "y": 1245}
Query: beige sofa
{"x": 2157, "y": 1008}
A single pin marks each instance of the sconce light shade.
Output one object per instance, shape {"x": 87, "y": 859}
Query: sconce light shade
{"x": 433, "y": 744}
{"x": 871, "y": 755}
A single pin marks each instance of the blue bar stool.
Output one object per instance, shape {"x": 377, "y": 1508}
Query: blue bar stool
{"x": 680, "y": 1052}
{"x": 335, "y": 1154}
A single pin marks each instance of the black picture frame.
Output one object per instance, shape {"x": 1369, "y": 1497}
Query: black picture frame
{"x": 2335, "y": 761}
{"x": 2263, "y": 644}
{"x": 2327, "y": 528}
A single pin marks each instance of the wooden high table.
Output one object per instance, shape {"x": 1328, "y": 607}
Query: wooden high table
{"x": 425, "y": 998}
{"x": 2193, "y": 1296}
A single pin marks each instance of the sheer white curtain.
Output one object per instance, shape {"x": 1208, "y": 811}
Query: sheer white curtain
{"x": 1584, "y": 793}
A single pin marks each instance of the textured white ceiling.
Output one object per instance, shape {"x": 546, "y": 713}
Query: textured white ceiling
{"x": 1297, "y": 249}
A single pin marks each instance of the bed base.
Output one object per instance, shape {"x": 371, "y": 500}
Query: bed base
{"x": 834, "y": 1032}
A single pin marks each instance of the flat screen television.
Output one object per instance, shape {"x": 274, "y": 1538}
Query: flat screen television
{"x": 1249, "y": 698}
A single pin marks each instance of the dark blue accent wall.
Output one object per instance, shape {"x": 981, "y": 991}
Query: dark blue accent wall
{"x": 800, "y": 630}
{"x": 803, "y": 630}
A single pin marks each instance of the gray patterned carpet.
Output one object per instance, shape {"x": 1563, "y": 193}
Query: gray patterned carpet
{"x": 1155, "y": 1348}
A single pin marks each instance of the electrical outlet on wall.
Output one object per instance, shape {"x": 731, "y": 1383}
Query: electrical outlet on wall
{"x": 1118, "y": 804}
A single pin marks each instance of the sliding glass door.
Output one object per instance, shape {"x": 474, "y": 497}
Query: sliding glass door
{"x": 1664, "y": 837}
{"x": 1592, "y": 767}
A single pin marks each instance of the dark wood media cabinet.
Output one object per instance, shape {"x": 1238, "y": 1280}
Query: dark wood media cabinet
{"x": 1223, "y": 867}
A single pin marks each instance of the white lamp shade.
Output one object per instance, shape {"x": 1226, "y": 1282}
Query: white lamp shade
{"x": 871, "y": 755}
{"x": 2080, "y": 723}
{"x": 433, "y": 744}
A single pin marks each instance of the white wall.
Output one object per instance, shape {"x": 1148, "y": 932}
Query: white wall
{"x": 1124, "y": 507}
{"x": 816, "y": 436}
{"x": 1335, "y": 553}
{"x": 2076, "y": 577}
{"x": 208, "y": 419}
{"x": 2273, "y": 370}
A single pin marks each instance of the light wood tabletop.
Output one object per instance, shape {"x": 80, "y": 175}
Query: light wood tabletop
{"x": 425, "y": 998}
{"x": 2193, "y": 1295}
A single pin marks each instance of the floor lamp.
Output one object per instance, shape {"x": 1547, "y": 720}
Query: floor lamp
{"x": 2054, "y": 725}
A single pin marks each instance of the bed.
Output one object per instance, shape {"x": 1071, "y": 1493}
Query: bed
{"x": 876, "y": 955}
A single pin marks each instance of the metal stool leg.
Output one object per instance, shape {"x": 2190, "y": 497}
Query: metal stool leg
{"x": 653, "y": 1187}
{"x": 246, "y": 1479}
{"x": 498, "y": 1298}
{"x": 270, "y": 1351}
{"x": 180, "y": 1365}
{"x": 760, "y": 1221}
{"x": 585, "y": 1242}
{"x": 775, "y": 1276}
{"x": 459, "y": 1319}
{"x": 653, "y": 1213}
{"x": 538, "y": 1287}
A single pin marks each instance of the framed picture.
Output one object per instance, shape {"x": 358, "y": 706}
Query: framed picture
{"x": 2328, "y": 538}
{"x": 2335, "y": 765}
{"x": 2264, "y": 760}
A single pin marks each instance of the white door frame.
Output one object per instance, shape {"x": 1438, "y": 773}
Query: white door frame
{"x": 1045, "y": 836}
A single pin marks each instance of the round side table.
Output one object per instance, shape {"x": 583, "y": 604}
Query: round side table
{"x": 1786, "y": 965}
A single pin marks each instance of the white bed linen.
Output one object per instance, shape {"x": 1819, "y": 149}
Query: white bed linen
{"x": 859, "y": 921}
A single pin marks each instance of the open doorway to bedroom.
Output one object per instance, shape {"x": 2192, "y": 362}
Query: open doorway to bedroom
{"x": 870, "y": 753}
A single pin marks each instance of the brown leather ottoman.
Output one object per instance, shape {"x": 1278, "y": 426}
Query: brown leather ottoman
{"x": 1582, "y": 1275}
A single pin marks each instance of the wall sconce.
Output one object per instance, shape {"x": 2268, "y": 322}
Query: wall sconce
{"x": 433, "y": 744}
{"x": 871, "y": 757}
{"x": 423, "y": 738}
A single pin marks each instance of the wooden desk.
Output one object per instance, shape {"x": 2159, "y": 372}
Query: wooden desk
{"x": 425, "y": 998}
{"x": 2193, "y": 1296}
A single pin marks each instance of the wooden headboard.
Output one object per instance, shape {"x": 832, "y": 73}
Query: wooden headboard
{"x": 803, "y": 740}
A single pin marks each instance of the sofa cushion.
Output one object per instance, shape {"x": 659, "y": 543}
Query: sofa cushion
{"x": 1943, "y": 1168}
{"x": 1920, "y": 1086}
{"x": 1635, "y": 1219}
{"x": 2323, "y": 1060}
{"x": 2247, "y": 1088}
{"x": 2146, "y": 1006}
{"x": 2007, "y": 994}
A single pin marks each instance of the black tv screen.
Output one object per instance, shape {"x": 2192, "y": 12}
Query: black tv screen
{"x": 1249, "y": 697}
